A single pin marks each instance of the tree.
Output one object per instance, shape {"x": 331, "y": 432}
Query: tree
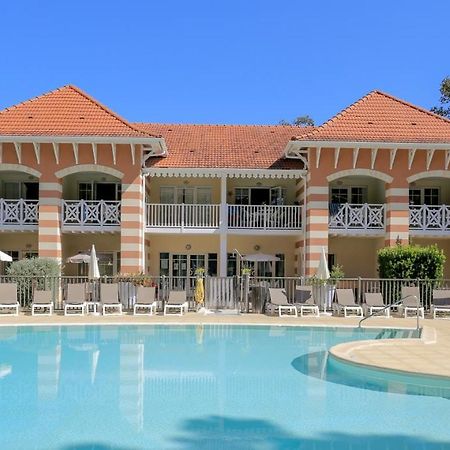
{"x": 443, "y": 110}
{"x": 300, "y": 121}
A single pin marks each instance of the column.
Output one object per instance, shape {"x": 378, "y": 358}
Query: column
{"x": 316, "y": 226}
{"x": 132, "y": 244}
{"x": 397, "y": 213}
{"x": 223, "y": 227}
{"x": 299, "y": 251}
{"x": 49, "y": 231}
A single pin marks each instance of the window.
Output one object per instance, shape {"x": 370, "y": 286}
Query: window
{"x": 99, "y": 191}
{"x": 424, "y": 196}
{"x": 190, "y": 195}
{"x": 231, "y": 264}
{"x": 212, "y": 265}
{"x": 242, "y": 196}
{"x": 353, "y": 194}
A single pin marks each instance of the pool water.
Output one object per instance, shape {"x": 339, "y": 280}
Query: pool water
{"x": 207, "y": 387}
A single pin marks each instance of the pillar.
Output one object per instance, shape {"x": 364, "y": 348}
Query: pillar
{"x": 316, "y": 226}
{"x": 299, "y": 251}
{"x": 132, "y": 245}
{"x": 50, "y": 210}
{"x": 397, "y": 213}
{"x": 223, "y": 227}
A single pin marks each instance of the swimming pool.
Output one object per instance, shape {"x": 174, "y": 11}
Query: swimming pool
{"x": 204, "y": 387}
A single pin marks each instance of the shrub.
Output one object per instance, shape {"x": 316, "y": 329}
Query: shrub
{"x": 411, "y": 262}
{"x": 33, "y": 273}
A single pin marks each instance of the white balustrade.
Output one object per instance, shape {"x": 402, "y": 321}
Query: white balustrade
{"x": 356, "y": 217}
{"x": 91, "y": 213}
{"x": 18, "y": 213}
{"x": 182, "y": 215}
{"x": 265, "y": 217}
{"x": 429, "y": 217}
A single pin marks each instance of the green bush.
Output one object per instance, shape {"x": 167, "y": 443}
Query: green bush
{"x": 411, "y": 262}
{"x": 34, "y": 273}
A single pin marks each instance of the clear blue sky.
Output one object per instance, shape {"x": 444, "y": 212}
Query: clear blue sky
{"x": 229, "y": 61}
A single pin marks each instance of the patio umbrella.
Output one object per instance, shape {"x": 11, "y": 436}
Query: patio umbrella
{"x": 323, "y": 273}
{"x": 260, "y": 257}
{"x": 79, "y": 258}
{"x": 94, "y": 273}
{"x": 5, "y": 257}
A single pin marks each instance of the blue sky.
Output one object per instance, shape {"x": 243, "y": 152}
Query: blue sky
{"x": 229, "y": 61}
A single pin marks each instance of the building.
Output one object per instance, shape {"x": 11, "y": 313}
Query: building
{"x": 165, "y": 199}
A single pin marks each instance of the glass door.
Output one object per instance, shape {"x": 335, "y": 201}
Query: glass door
{"x": 179, "y": 271}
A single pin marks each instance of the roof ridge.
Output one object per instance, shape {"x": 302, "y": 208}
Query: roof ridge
{"x": 412, "y": 105}
{"x": 106, "y": 109}
{"x": 221, "y": 125}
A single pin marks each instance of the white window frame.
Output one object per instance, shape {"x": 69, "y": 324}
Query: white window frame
{"x": 422, "y": 193}
{"x": 195, "y": 189}
{"x": 365, "y": 189}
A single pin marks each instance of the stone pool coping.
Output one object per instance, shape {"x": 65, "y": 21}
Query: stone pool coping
{"x": 426, "y": 356}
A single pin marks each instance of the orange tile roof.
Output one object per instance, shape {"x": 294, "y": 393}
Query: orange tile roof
{"x": 380, "y": 117}
{"x": 67, "y": 111}
{"x": 224, "y": 146}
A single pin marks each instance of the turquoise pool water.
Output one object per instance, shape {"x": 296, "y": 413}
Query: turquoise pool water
{"x": 210, "y": 387}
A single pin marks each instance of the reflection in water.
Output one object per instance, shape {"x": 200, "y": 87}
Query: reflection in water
{"x": 324, "y": 367}
{"x": 210, "y": 386}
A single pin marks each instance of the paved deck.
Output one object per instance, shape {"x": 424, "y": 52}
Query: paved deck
{"x": 428, "y": 355}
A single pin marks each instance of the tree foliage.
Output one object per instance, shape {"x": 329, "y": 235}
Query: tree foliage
{"x": 443, "y": 109}
{"x": 411, "y": 262}
{"x": 300, "y": 121}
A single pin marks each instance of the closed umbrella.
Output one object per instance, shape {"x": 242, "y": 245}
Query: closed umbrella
{"x": 323, "y": 273}
{"x": 94, "y": 273}
{"x": 199, "y": 294}
{"x": 5, "y": 257}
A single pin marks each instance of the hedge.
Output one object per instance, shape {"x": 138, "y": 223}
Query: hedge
{"x": 411, "y": 262}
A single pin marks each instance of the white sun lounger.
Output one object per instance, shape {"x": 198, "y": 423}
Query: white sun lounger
{"x": 441, "y": 303}
{"x": 374, "y": 303}
{"x": 304, "y": 301}
{"x": 146, "y": 301}
{"x": 410, "y": 295}
{"x": 278, "y": 302}
{"x": 177, "y": 302}
{"x": 346, "y": 303}
{"x": 42, "y": 303}
{"x": 76, "y": 299}
{"x": 109, "y": 299}
{"x": 8, "y": 298}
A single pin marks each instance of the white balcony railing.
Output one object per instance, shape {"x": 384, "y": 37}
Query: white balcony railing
{"x": 162, "y": 215}
{"x": 18, "y": 213}
{"x": 265, "y": 217}
{"x": 429, "y": 217}
{"x": 91, "y": 213}
{"x": 356, "y": 217}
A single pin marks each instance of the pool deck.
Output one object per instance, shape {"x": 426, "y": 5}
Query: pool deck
{"x": 428, "y": 355}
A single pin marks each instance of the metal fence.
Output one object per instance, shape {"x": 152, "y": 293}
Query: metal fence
{"x": 245, "y": 294}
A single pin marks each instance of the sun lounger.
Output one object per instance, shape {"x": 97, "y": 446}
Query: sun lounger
{"x": 410, "y": 295}
{"x": 304, "y": 301}
{"x": 177, "y": 302}
{"x": 346, "y": 303}
{"x": 109, "y": 299}
{"x": 374, "y": 303}
{"x": 441, "y": 303}
{"x": 8, "y": 298}
{"x": 278, "y": 302}
{"x": 42, "y": 303}
{"x": 76, "y": 299}
{"x": 146, "y": 301}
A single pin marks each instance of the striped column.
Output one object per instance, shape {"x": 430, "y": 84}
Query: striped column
{"x": 132, "y": 228}
{"x": 316, "y": 226}
{"x": 49, "y": 231}
{"x": 397, "y": 215}
{"x": 299, "y": 269}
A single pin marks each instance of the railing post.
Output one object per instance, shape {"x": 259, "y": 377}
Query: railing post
{"x": 359, "y": 291}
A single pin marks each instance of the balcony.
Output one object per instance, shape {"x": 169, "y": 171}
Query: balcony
{"x": 265, "y": 217}
{"x": 428, "y": 219}
{"x": 356, "y": 218}
{"x": 90, "y": 215}
{"x": 18, "y": 215}
{"x": 168, "y": 218}
{"x": 182, "y": 217}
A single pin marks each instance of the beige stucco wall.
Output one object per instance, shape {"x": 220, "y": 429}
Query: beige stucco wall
{"x": 74, "y": 243}
{"x": 357, "y": 255}
{"x": 19, "y": 241}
